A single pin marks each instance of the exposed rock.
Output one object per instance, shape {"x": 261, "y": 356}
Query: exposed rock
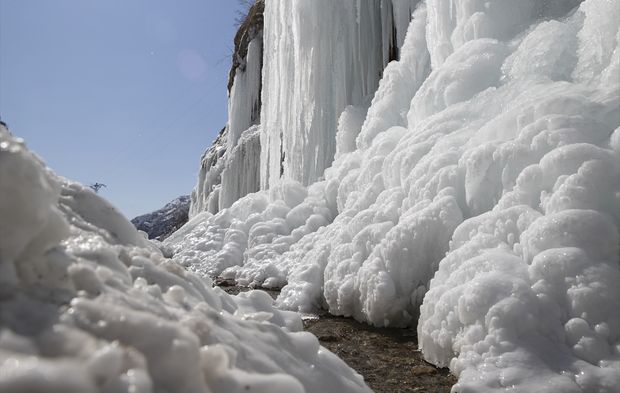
{"x": 161, "y": 223}
{"x": 248, "y": 30}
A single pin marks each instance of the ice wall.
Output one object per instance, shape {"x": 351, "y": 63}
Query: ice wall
{"x": 320, "y": 56}
{"x": 244, "y": 103}
{"x": 205, "y": 195}
{"x": 347, "y": 55}
{"x": 476, "y": 194}
{"x": 241, "y": 174}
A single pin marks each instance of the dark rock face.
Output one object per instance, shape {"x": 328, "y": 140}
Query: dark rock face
{"x": 251, "y": 26}
{"x": 163, "y": 222}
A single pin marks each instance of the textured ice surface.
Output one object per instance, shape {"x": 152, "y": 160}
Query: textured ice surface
{"x": 88, "y": 305}
{"x": 240, "y": 175}
{"x": 320, "y": 56}
{"x": 205, "y": 196}
{"x": 477, "y": 194}
{"x": 309, "y": 83}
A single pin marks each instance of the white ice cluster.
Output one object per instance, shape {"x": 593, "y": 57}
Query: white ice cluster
{"x": 477, "y": 194}
{"x": 88, "y": 305}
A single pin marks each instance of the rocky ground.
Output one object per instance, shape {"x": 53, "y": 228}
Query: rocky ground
{"x": 388, "y": 358}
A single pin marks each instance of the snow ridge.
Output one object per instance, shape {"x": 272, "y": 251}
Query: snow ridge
{"x": 89, "y": 305}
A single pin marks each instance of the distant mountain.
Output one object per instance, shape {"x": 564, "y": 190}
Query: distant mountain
{"x": 161, "y": 223}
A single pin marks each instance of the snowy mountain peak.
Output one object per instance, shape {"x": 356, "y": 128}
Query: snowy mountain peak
{"x": 161, "y": 223}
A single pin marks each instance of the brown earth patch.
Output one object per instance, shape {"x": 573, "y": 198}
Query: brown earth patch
{"x": 387, "y": 358}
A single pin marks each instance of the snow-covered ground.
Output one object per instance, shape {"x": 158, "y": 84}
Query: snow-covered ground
{"x": 88, "y": 305}
{"x": 477, "y": 195}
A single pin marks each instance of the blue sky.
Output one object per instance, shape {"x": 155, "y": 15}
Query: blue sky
{"x": 124, "y": 92}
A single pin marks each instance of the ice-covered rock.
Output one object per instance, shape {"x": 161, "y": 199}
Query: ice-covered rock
{"x": 205, "y": 195}
{"x": 298, "y": 115}
{"x": 227, "y": 168}
{"x": 477, "y": 192}
{"x": 320, "y": 57}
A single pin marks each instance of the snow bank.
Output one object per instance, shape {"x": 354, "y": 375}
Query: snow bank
{"x": 88, "y": 305}
{"x": 478, "y": 194}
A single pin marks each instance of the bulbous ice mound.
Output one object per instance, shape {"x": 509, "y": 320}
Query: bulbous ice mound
{"x": 88, "y": 305}
{"x": 480, "y": 197}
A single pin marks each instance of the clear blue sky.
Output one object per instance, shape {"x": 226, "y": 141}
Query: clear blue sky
{"x": 124, "y": 92}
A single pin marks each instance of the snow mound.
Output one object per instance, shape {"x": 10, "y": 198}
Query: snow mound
{"x": 88, "y": 305}
{"x": 478, "y": 194}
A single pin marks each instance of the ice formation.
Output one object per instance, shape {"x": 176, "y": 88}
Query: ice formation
{"x": 320, "y": 56}
{"x": 476, "y": 194}
{"x": 227, "y": 168}
{"x": 299, "y": 129}
{"x": 89, "y": 305}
